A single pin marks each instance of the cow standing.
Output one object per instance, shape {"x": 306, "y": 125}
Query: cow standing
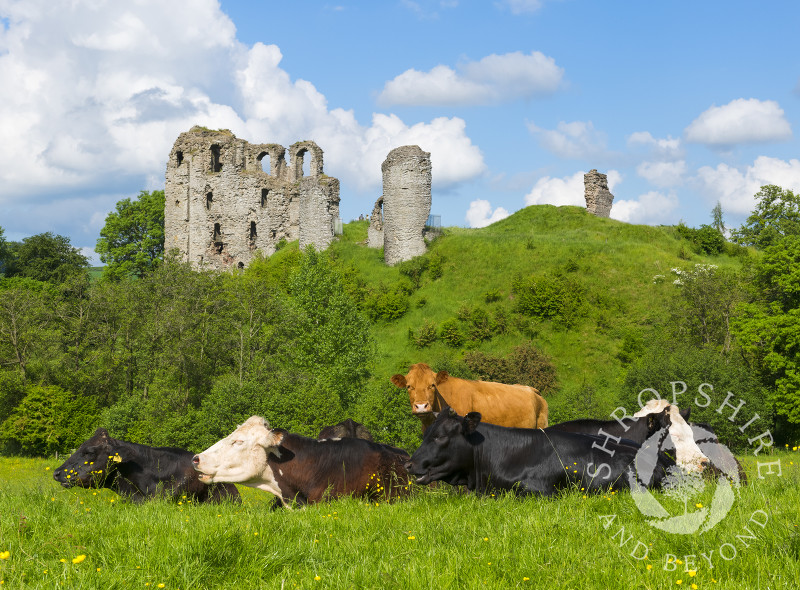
{"x": 485, "y": 457}
{"x": 138, "y": 471}
{"x": 300, "y": 469}
{"x": 504, "y": 405}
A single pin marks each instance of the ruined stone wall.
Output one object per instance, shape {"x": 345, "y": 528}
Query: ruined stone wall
{"x": 375, "y": 230}
{"x": 222, "y": 206}
{"x": 406, "y": 202}
{"x": 598, "y": 197}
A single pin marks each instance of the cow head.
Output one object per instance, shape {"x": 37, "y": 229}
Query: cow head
{"x": 91, "y": 464}
{"x": 241, "y": 457}
{"x": 446, "y": 453}
{"x": 687, "y": 454}
{"x": 421, "y": 384}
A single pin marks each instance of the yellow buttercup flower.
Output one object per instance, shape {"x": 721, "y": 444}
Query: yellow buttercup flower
{"x": 79, "y": 559}
{"x": 5, "y": 554}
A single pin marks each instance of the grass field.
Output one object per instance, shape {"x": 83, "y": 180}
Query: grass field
{"x": 438, "y": 538}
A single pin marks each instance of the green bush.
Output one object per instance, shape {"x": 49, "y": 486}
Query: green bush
{"x": 450, "y": 333}
{"x": 425, "y": 336}
{"x": 550, "y": 296}
{"x": 525, "y": 364}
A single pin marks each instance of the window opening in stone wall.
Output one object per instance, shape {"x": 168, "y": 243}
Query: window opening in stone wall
{"x": 266, "y": 162}
{"x": 209, "y": 200}
{"x": 216, "y": 165}
{"x": 264, "y": 197}
{"x": 253, "y": 234}
{"x": 240, "y": 265}
{"x": 217, "y": 239}
{"x": 179, "y": 157}
{"x": 304, "y": 163}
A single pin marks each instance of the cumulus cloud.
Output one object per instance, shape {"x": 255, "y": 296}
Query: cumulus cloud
{"x": 578, "y": 139}
{"x": 480, "y": 213}
{"x": 667, "y": 148}
{"x": 734, "y": 188}
{"x": 651, "y": 207}
{"x": 493, "y": 79}
{"x": 740, "y": 121}
{"x": 663, "y": 174}
{"x": 565, "y": 191}
{"x": 94, "y": 94}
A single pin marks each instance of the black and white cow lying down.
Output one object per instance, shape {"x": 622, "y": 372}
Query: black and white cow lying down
{"x": 138, "y": 471}
{"x": 300, "y": 469}
{"x": 484, "y": 457}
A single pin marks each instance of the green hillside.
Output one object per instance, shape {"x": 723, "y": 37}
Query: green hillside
{"x": 609, "y": 265}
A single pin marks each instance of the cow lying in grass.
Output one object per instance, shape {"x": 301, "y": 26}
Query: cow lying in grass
{"x": 346, "y": 429}
{"x": 138, "y": 471}
{"x": 485, "y": 457}
{"x": 300, "y": 469}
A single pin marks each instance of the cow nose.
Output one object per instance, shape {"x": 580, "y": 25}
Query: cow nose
{"x": 407, "y": 465}
{"x": 422, "y": 408}
{"x": 195, "y": 459}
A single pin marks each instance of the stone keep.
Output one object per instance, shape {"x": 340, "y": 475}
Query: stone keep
{"x": 227, "y": 198}
{"x": 598, "y": 197}
{"x": 406, "y": 202}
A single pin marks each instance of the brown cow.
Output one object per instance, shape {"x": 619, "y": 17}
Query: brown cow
{"x": 504, "y": 405}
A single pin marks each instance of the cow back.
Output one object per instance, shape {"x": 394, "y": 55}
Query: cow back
{"x": 517, "y": 406}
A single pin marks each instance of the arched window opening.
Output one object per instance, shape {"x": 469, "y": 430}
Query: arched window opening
{"x": 266, "y": 162}
{"x": 209, "y": 200}
{"x": 216, "y": 165}
{"x": 264, "y": 197}
{"x": 240, "y": 265}
{"x": 179, "y": 157}
{"x": 305, "y": 163}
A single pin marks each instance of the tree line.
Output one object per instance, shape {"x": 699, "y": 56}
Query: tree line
{"x": 163, "y": 354}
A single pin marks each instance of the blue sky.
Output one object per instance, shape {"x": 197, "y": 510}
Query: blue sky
{"x": 682, "y": 104}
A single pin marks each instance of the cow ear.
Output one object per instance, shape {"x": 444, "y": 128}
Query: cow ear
{"x": 685, "y": 413}
{"x": 277, "y": 437}
{"x": 441, "y": 377}
{"x": 101, "y": 432}
{"x": 471, "y": 422}
{"x": 399, "y": 380}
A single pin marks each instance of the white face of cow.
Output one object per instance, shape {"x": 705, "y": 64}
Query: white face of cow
{"x": 241, "y": 457}
{"x": 687, "y": 454}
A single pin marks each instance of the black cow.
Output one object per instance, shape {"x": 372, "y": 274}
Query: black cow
{"x": 346, "y": 429}
{"x": 637, "y": 430}
{"x": 300, "y": 469}
{"x": 138, "y": 471}
{"x": 484, "y": 457}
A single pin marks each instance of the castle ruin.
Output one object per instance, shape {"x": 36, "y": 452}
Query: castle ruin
{"x": 227, "y": 198}
{"x": 598, "y": 197}
{"x": 398, "y": 219}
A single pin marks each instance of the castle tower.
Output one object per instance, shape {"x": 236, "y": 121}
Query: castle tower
{"x": 406, "y": 202}
{"x": 598, "y": 197}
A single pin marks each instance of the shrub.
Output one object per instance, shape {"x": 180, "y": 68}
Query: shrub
{"x": 553, "y": 296}
{"x": 450, "y": 333}
{"x": 425, "y": 336}
{"x": 525, "y": 364}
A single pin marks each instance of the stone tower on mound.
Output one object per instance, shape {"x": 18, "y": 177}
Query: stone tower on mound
{"x": 227, "y": 198}
{"x": 598, "y": 197}
{"x": 399, "y": 217}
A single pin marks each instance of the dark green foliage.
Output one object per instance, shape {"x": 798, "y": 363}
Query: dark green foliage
{"x": 424, "y": 336}
{"x": 414, "y": 268}
{"x": 667, "y": 361}
{"x": 492, "y": 296}
{"x": 5, "y": 254}
{"x": 705, "y": 240}
{"x": 525, "y": 364}
{"x": 47, "y": 419}
{"x": 550, "y": 297}
{"x": 776, "y": 215}
{"x": 386, "y": 304}
{"x": 436, "y": 266}
{"x": 384, "y": 410}
{"x": 46, "y": 257}
{"x": 131, "y": 242}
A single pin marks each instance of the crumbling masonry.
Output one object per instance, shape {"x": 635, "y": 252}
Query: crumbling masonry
{"x": 399, "y": 217}
{"x": 227, "y": 198}
{"x": 598, "y": 197}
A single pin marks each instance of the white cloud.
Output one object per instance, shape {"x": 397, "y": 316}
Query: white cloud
{"x": 493, "y": 79}
{"x": 93, "y": 96}
{"x": 652, "y": 207}
{"x": 480, "y": 213}
{"x": 565, "y": 191}
{"x": 663, "y": 149}
{"x": 578, "y": 139}
{"x": 740, "y": 121}
{"x": 663, "y": 174}
{"x": 735, "y": 188}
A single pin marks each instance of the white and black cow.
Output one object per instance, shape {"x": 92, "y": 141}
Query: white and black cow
{"x": 485, "y": 457}
{"x": 300, "y": 469}
{"x": 138, "y": 471}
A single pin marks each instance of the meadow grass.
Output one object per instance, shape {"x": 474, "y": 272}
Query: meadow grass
{"x": 437, "y": 538}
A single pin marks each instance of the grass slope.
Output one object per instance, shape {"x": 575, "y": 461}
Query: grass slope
{"x": 613, "y": 262}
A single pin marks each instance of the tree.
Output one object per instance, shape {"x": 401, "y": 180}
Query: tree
{"x": 777, "y": 214}
{"x": 769, "y": 327}
{"x": 132, "y": 240}
{"x": 716, "y": 215}
{"x": 5, "y": 253}
{"x": 48, "y": 257}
